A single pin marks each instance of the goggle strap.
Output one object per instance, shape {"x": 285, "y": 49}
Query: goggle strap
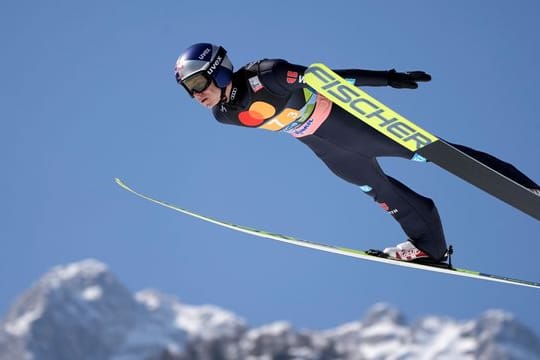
{"x": 220, "y": 55}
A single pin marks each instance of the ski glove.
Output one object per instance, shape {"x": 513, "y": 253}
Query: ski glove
{"x": 408, "y": 80}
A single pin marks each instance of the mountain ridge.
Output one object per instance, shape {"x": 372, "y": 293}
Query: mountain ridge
{"x": 82, "y": 311}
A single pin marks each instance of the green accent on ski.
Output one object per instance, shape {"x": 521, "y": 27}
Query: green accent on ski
{"x": 353, "y": 251}
{"x": 469, "y": 271}
{"x": 359, "y": 254}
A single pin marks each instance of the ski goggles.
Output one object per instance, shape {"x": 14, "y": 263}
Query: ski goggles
{"x": 197, "y": 83}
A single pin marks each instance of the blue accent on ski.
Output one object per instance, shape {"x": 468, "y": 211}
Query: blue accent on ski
{"x": 419, "y": 158}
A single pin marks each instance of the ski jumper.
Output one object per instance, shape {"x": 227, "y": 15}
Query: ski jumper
{"x": 271, "y": 95}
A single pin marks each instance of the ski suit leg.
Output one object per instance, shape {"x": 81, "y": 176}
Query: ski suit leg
{"x": 416, "y": 214}
{"x": 508, "y": 170}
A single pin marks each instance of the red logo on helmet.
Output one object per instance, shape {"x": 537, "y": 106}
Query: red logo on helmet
{"x": 292, "y": 77}
{"x": 180, "y": 68}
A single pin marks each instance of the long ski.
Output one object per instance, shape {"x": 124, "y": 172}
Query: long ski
{"x": 409, "y": 135}
{"x": 359, "y": 254}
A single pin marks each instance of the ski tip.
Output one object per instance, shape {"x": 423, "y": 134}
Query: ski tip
{"x": 119, "y": 182}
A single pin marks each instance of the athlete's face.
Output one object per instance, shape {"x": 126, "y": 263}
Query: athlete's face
{"x": 210, "y": 97}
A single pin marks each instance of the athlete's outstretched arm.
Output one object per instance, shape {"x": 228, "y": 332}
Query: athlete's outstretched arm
{"x": 282, "y": 77}
{"x": 399, "y": 80}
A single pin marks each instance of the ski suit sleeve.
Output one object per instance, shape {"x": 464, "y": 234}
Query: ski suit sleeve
{"x": 365, "y": 77}
{"x": 398, "y": 80}
{"x": 282, "y": 77}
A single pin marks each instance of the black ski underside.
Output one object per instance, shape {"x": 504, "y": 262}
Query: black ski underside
{"x": 482, "y": 176}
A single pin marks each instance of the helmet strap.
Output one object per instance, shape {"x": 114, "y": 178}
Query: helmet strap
{"x": 223, "y": 95}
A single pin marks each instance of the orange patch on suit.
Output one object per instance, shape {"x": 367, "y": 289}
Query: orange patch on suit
{"x": 256, "y": 114}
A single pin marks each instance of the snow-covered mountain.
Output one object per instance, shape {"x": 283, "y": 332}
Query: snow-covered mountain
{"x": 81, "y": 311}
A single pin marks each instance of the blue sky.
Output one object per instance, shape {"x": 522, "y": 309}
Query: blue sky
{"x": 88, "y": 94}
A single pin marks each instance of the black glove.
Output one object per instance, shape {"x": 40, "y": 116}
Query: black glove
{"x": 406, "y": 80}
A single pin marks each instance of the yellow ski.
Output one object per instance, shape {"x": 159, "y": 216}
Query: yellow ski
{"x": 409, "y": 135}
{"x": 368, "y": 109}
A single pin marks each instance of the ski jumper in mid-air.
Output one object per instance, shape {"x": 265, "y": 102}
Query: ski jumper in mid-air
{"x": 271, "y": 94}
